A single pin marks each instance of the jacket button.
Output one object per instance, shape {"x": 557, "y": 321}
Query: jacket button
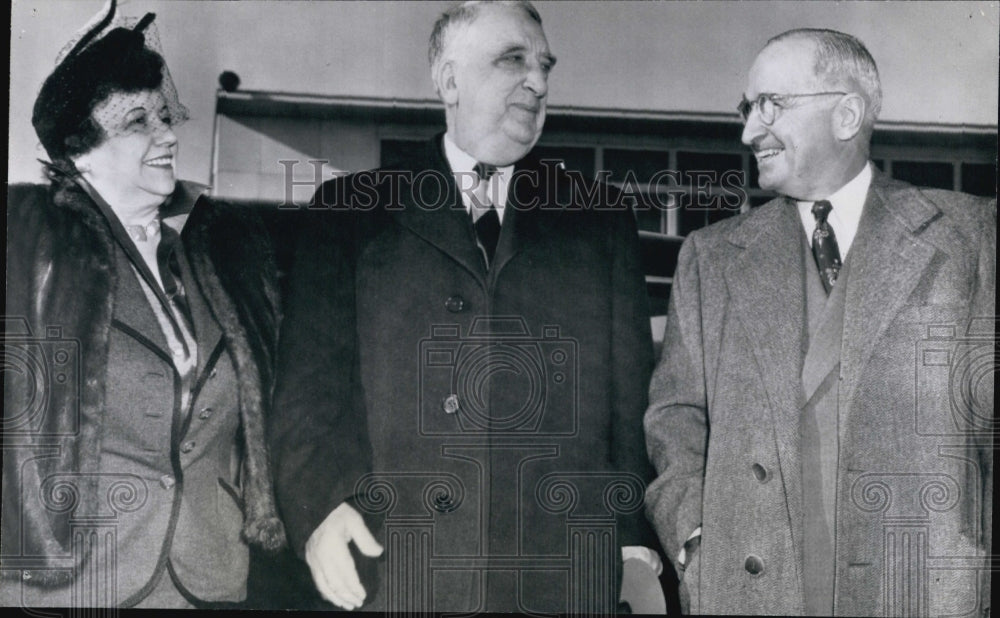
{"x": 187, "y": 447}
{"x": 167, "y": 481}
{"x": 450, "y": 404}
{"x": 754, "y": 565}
{"x": 455, "y": 304}
{"x": 760, "y": 473}
{"x": 205, "y": 413}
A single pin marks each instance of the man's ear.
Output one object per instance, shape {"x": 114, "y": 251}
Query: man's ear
{"x": 849, "y": 116}
{"x": 445, "y": 82}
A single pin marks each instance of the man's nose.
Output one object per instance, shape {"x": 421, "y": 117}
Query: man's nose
{"x": 753, "y": 128}
{"x": 537, "y": 80}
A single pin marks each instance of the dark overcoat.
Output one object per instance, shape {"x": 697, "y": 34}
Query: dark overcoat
{"x": 488, "y": 423}
{"x": 914, "y": 479}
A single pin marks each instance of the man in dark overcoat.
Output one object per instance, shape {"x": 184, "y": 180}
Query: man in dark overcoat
{"x": 822, "y": 416}
{"x": 465, "y": 357}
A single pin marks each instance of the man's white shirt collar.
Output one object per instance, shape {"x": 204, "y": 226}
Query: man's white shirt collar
{"x": 463, "y": 167}
{"x": 847, "y": 203}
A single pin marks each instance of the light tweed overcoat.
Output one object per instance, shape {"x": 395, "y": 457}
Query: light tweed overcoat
{"x": 914, "y": 479}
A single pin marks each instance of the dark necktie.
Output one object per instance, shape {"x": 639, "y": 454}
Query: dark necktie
{"x": 170, "y": 270}
{"x": 824, "y": 246}
{"x": 485, "y": 218}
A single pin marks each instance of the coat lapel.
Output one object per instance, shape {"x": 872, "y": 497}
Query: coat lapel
{"x": 826, "y": 336}
{"x": 527, "y": 219}
{"x": 132, "y": 310}
{"x": 765, "y": 283}
{"x": 433, "y": 210}
{"x": 888, "y": 258}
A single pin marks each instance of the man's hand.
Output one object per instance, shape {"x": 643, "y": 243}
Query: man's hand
{"x": 647, "y": 555}
{"x": 329, "y": 557}
{"x": 689, "y": 548}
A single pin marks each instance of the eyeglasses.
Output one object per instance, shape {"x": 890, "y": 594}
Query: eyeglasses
{"x": 768, "y": 104}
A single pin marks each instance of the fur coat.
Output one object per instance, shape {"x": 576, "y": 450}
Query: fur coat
{"x": 61, "y": 277}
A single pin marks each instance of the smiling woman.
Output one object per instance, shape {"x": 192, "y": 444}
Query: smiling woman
{"x": 163, "y": 307}
{"x": 134, "y": 165}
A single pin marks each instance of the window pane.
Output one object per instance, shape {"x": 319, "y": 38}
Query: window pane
{"x": 698, "y": 211}
{"x": 691, "y": 220}
{"x": 659, "y": 254}
{"x": 712, "y": 164}
{"x": 643, "y": 164}
{"x": 649, "y": 220}
{"x": 979, "y": 179}
{"x": 753, "y": 181}
{"x": 925, "y": 173}
{"x": 648, "y": 216}
{"x": 659, "y": 298}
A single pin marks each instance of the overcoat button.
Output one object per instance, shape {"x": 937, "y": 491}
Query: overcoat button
{"x": 754, "y": 565}
{"x": 205, "y": 413}
{"x": 187, "y": 447}
{"x": 213, "y": 373}
{"x": 450, "y": 404}
{"x": 455, "y": 304}
{"x": 167, "y": 481}
{"x": 760, "y": 473}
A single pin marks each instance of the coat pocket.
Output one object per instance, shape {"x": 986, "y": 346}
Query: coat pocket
{"x": 230, "y": 494}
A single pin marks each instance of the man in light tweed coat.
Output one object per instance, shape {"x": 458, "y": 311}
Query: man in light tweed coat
{"x": 821, "y": 419}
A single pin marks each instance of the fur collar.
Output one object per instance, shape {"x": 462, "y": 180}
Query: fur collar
{"x": 62, "y": 272}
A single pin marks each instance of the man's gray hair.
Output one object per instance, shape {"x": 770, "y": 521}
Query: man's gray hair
{"x": 462, "y": 15}
{"x": 842, "y": 59}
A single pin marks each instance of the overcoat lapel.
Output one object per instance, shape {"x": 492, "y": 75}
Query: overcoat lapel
{"x": 527, "y": 219}
{"x": 433, "y": 210}
{"x": 765, "y": 283}
{"x": 888, "y": 257}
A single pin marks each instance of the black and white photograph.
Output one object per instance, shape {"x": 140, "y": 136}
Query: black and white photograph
{"x": 538, "y": 307}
